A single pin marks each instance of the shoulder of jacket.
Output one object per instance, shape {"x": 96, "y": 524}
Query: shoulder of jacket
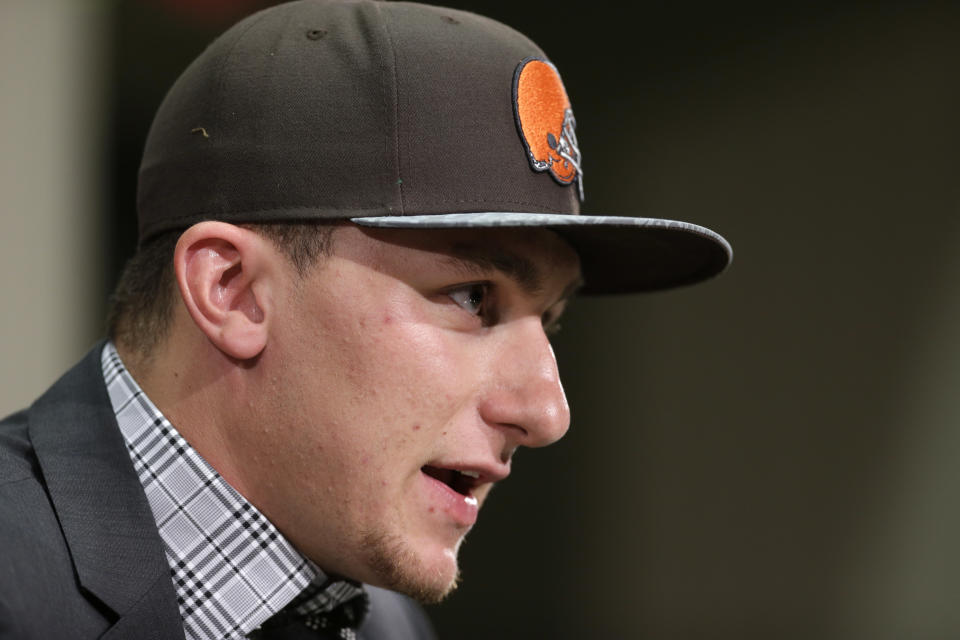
{"x": 17, "y": 460}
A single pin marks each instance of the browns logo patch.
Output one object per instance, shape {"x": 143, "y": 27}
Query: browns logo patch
{"x": 545, "y": 121}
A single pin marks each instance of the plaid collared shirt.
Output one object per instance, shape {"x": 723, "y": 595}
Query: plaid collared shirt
{"x": 231, "y": 568}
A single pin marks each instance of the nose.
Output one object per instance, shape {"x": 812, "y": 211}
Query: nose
{"x": 526, "y": 396}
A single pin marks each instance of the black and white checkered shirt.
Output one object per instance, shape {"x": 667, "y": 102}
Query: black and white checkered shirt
{"x": 231, "y": 568}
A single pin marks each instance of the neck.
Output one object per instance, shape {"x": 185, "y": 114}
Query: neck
{"x": 199, "y": 390}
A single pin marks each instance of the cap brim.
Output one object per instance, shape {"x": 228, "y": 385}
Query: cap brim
{"x": 617, "y": 254}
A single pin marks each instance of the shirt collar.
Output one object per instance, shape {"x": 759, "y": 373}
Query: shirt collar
{"x": 230, "y": 566}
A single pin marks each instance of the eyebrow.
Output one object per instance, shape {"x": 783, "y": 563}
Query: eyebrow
{"x": 525, "y": 272}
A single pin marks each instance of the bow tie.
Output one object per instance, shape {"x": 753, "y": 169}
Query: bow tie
{"x": 332, "y": 610}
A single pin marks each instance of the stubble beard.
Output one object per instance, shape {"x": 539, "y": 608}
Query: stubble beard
{"x": 399, "y": 569}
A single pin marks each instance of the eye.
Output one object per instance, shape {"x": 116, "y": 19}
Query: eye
{"x": 551, "y": 318}
{"x": 551, "y": 323}
{"x": 552, "y": 328}
{"x": 471, "y": 297}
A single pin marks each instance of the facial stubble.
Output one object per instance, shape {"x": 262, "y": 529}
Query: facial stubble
{"x": 392, "y": 559}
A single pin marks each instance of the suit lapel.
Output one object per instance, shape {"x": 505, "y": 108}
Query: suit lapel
{"x": 104, "y": 514}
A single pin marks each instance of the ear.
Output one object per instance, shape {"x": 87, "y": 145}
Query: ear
{"x": 223, "y": 272}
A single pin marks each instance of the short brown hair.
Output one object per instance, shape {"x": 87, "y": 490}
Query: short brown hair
{"x": 141, "y": 306}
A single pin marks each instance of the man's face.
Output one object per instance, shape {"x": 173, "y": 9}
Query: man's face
{"x": 399, "y": 377}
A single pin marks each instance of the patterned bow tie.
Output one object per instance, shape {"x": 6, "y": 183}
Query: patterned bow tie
{"x": 334, "y": 609}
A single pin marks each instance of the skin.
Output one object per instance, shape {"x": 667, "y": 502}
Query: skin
{"x": 322, "y": 398}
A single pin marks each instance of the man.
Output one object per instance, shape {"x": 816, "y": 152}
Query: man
{"x": 358, "y": 223}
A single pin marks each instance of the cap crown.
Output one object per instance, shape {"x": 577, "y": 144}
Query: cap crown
{"x": 345, "y": 108}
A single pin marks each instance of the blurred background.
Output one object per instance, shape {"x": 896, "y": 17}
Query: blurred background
{"x": 773, "y": 454}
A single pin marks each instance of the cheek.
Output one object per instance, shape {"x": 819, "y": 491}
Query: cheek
{"x": 420, "y": 369}
{"x": 387, "y": 380}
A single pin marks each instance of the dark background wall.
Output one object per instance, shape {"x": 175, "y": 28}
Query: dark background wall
{"x": 772, "y": 454}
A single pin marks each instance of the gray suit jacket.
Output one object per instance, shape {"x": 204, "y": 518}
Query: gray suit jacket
{"x": 80, "y": 555}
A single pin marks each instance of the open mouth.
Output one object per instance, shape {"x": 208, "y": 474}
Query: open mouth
{"x": 463, "y": 482}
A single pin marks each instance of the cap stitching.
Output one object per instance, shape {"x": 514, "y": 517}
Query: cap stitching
{"x": 523, "y": 202}
{"x": 297, "y": 207}
{"x": 279, "y": 207}
{"x": 396, "y": 106}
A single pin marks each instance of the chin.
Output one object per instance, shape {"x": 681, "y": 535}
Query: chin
{"x": 399, "y": 567}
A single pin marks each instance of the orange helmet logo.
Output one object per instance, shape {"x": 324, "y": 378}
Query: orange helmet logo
{"x": 545, "y": 121}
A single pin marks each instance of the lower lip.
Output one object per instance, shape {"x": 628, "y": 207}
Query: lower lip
{"x": 461, "y": 509}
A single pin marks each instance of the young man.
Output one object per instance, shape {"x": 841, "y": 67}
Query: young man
{"x": 358, "y": 223}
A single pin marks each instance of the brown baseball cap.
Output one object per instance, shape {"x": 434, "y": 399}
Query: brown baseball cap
{"x": 394, "y": 114}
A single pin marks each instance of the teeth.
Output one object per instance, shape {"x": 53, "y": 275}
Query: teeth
{"x": 471, "y": 474}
